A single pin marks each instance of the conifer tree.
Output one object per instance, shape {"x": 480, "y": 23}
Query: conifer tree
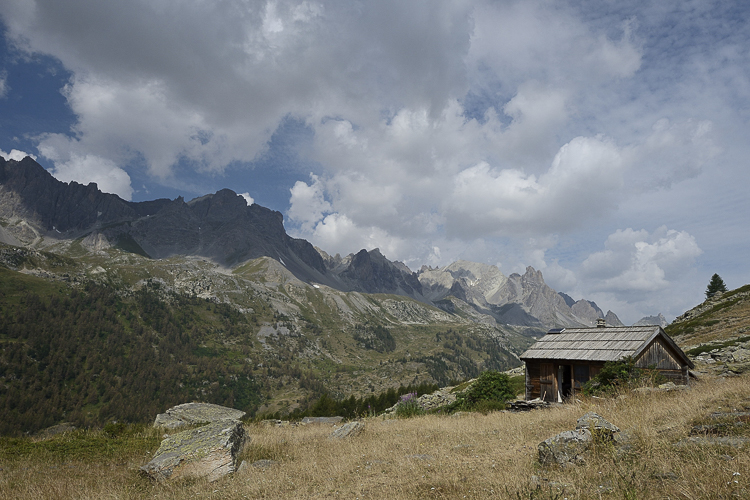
{"x": 715, "y": 285}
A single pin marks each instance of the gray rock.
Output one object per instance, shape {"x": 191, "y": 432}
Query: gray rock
{"x": 322, "y": 420}
{"x": 347, "y": 430}
{"x": 50, "y": 432}
{"x": 209, "y": 451}
{"x": 194, "y": 414}
{"x": 597, "y": 423}
{"x": 567, "y": 447}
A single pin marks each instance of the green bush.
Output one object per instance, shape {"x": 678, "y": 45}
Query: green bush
{"x": 488, "y": 393}
{"x": 620, "y": 374}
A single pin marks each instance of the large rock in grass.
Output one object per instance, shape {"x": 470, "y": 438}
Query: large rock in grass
{"x": 195, "y": 414}
{"x": 566, "y": 448}
{"x": 348, "y": 430}
{"x": 209, "y": 451}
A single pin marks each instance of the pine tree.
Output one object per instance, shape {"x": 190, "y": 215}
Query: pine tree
{"x": 715, "y": 285}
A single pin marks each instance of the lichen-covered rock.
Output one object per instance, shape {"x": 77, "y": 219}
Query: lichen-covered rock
{"x": 567, "y": 447}
{"x": 350, "y": 429}
{"x": 595, "y": 422}
{"x": 209, "y": 451}
{"x": 195, "y": 414}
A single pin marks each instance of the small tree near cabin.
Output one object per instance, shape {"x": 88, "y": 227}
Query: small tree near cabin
{"x": 715, "y": 285}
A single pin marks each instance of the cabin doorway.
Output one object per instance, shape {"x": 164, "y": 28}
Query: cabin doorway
{"x": 565, "y": 380}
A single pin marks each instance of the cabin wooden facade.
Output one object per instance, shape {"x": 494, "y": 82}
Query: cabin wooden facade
{"x": 559, "y": 363}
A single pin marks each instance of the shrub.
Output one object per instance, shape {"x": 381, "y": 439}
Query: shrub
{"x": 488, "y": 393}
{"x": 620, "y": 374}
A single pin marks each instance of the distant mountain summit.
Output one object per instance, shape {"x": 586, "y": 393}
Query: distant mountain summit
{"x": 659, "y": 319}
{"x": 524, "y": 300}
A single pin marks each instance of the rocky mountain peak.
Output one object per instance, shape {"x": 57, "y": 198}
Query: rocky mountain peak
{"x": 659, "y": 319}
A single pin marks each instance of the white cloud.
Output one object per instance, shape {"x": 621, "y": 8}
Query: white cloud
{"x": 636, "y": 261}
{"x": 307, "y": 203}
{"x": 73, "y": 165}
{"x": 4, "y": 87}
{"x": 248, "y": 199}
{"x": 16, "y": 155}
{"x": 469, "y": 127}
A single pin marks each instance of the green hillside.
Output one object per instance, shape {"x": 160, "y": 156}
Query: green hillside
{"x": 117, "y": 336}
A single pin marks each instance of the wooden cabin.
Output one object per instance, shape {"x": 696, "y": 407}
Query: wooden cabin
{"x": 559, "y": 363}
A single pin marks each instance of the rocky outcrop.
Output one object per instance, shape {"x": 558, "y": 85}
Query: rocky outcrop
{"x": 206, "y": 452}
{"x": 195, "y": 414}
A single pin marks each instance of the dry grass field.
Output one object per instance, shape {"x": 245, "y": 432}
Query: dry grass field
{"x": 466, "y": 456}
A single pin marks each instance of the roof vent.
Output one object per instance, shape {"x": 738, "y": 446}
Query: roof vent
{"x": 601, "y": 323}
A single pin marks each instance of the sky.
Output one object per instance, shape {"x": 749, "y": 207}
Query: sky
{"x": 605, "y": 143}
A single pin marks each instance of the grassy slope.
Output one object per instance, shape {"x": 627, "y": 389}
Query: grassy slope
{"x": 473, "y": 456}
{"x": 716, "y": 322}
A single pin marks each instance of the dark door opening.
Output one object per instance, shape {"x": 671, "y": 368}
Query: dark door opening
{"x": 566, "y": 381}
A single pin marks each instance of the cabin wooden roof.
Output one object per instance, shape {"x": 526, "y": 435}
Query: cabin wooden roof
{"x": 599, "y": 344}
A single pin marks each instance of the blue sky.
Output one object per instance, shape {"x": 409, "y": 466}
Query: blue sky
{"x": 605, "y": 143}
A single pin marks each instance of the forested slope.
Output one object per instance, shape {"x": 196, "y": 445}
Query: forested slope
{"x": 89, "y": 356}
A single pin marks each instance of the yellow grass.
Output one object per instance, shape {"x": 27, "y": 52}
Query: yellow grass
{"x": 468, "y": 456}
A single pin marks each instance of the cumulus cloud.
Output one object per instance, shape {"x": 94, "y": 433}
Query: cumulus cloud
{"x": 248, "y": 199}
{"x": 437, "y": 130}
{"x": 636, "y": 261}
{"x": 72, "y": 164}
{"x": 15, "y": 155}
{"x": 307, "y": 203}
{"x": 4, "y": 87}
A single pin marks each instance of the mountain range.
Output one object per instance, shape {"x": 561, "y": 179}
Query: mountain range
{"x": 40, "y": 212}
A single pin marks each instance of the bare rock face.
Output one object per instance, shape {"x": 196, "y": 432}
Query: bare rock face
{"x": 206, "y": 452}
{"x": 195, "y": 413}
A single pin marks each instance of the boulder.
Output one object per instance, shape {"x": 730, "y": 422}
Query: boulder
{"x": 350, "y": 429}
{"x": 195, "y": 414}
{"x": 209, "y": 451}
{"x": 565, "y": 448}
{"x": 597, "y": 424}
